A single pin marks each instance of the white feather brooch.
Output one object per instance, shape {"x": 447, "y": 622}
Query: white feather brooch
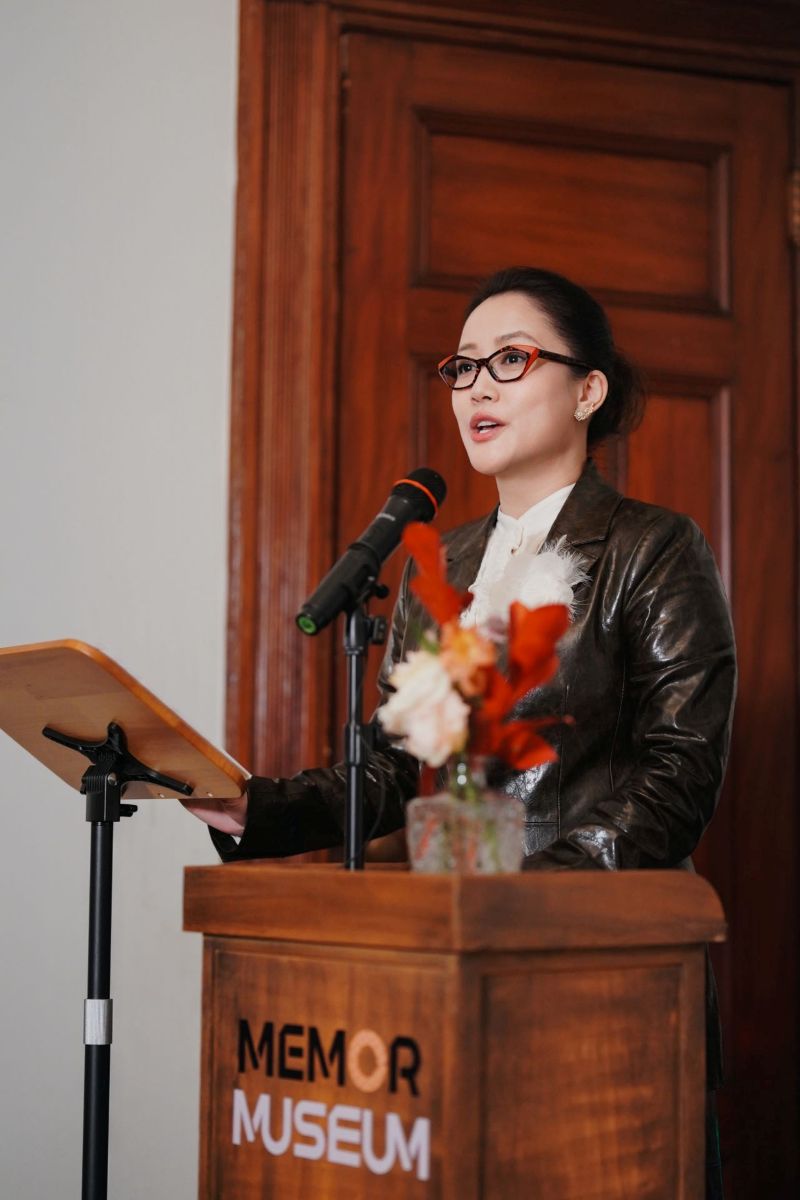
{"x": 533, "y": 577}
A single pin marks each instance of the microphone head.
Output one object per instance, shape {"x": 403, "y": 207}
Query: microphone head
{"x": 425, "y": 489}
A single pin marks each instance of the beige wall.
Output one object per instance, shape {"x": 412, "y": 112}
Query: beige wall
{"x": 117, "y": 129}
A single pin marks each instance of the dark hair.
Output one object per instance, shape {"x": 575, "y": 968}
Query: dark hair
{"x": 582, "y": 323}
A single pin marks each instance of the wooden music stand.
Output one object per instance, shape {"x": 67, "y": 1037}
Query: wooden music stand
{"x": 65, "y": 702}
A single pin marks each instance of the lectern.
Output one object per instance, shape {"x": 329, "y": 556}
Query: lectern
{"x": 388, "y": 1034}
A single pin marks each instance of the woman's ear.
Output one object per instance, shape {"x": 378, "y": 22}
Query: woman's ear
{"x": 594, "y": 390}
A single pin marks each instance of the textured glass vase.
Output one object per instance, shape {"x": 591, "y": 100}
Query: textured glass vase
{"x": 469, "y": 829}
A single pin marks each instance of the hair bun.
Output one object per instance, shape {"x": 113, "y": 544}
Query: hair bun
{"x": 623, "y": 408}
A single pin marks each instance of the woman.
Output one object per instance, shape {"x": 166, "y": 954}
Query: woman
{"x": 647, "y": 668}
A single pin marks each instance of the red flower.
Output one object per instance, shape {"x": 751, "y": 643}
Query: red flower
{"x": 516, "y": 743}
{"x": 430, "y": 584}
{"x": 532, "y": 637}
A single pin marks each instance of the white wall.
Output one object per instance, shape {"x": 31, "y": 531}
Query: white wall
{"x": 117, "y": 175}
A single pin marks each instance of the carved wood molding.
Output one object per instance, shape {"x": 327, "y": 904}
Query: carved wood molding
{"x": 757, "y": 31}
{"x": 280, "y": 516}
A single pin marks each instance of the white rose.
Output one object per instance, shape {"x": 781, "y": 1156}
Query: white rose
{"x": 435, "y": 731}
{"x": 421, "y": 679}
{"x": 425, "y": 709}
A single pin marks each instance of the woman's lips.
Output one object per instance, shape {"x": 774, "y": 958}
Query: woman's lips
{"x": 485, "y": 428}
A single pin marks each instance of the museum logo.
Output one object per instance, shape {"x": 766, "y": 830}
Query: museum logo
{"x": 349, "y": 1135}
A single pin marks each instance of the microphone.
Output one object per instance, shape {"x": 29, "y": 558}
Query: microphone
{"x": 415, "y": 498}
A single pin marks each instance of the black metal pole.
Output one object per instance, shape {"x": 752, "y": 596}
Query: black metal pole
{"x": 356, "y": 642}
{"x": 103, "y": 783}
{"x": 97, "y": 1013}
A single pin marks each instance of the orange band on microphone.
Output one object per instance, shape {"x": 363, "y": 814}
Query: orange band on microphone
{"x": 422, "y": 488}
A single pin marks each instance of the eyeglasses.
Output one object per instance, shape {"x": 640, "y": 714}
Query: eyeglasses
{"x": 506, "y": 365}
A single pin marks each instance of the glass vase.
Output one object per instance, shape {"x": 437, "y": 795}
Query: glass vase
{"x": 470, "y": 828}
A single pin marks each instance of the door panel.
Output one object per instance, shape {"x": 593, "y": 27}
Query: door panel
{"x": 617, "y": 210}
{"x": 663, "y": 192}
{"x": 679, "y": 458}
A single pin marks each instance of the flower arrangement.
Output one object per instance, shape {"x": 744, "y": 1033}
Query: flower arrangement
{"x": 451, "y": 697}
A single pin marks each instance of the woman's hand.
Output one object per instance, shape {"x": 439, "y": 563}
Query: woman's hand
{"x": 228, "y": 816}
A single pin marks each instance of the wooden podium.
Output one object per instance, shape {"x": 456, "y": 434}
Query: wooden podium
{"x": 386, "y": 1034}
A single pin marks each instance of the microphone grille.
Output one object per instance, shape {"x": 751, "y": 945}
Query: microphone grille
{"x": 431, "y": 481}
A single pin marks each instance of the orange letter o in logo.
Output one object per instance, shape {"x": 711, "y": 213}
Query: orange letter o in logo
{"x": 367, "y": 1039}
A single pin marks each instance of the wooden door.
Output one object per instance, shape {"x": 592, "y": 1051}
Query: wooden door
{"x": 649, "y": 145}
{"x": 663, "y": 193}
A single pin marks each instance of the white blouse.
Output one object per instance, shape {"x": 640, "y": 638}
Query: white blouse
{"x": 510, "y": 569}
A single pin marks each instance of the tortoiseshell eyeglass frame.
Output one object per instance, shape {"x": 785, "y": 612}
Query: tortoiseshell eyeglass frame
{"x": 532, "y": 353}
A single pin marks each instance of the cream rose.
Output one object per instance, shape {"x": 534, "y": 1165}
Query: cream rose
{"x": 425, "y": 709}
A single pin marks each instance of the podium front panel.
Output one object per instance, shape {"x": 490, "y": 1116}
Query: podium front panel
{"x": 342, "y": 1074}
{"x": 323, "y": 1072}
{"x": 598, "y": 1100}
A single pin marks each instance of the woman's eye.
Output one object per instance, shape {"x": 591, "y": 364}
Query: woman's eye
{"x": 464, "y": 366}
{"x": 513, "y": 358}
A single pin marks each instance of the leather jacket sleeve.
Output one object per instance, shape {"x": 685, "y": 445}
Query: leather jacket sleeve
{"x": 307, "y": 812}
{"x": 680, "y": 684}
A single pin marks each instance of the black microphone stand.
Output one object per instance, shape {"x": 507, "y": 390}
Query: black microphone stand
{"x": 347, "y": 588}
{"x": 360, "y": 632}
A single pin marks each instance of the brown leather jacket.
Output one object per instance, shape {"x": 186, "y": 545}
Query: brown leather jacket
{"x": 647, "y": 671}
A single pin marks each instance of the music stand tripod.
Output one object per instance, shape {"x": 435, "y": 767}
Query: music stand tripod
{"x": 53, "y": 686}
{"x": 103, "y": 784}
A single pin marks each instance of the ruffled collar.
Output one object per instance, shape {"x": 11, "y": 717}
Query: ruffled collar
{"x": 535, "y": 521}
{"x": 515, "y": 567}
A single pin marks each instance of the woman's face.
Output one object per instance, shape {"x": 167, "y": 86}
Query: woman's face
{"x": 532, "y": 419}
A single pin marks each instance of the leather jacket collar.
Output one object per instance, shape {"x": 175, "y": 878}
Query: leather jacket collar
{"x": 584, "y": 519}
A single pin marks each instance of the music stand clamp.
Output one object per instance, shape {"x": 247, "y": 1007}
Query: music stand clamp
{"x": 103, "y": 783}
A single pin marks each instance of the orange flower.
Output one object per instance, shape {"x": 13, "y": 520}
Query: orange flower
{"x": 466, "y": 656}
{"x": 441, "y": 599}
{"x": 532, "y": 637}
{"x": 516, "y": 743}
{"x": 532, "y": 660}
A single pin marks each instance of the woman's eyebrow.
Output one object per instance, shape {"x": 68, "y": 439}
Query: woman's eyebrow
{"x": 501, "y": 340}
{"x": 506, "y": 337}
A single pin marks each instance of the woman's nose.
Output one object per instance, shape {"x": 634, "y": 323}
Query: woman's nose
{"x": 483, "y": 387}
